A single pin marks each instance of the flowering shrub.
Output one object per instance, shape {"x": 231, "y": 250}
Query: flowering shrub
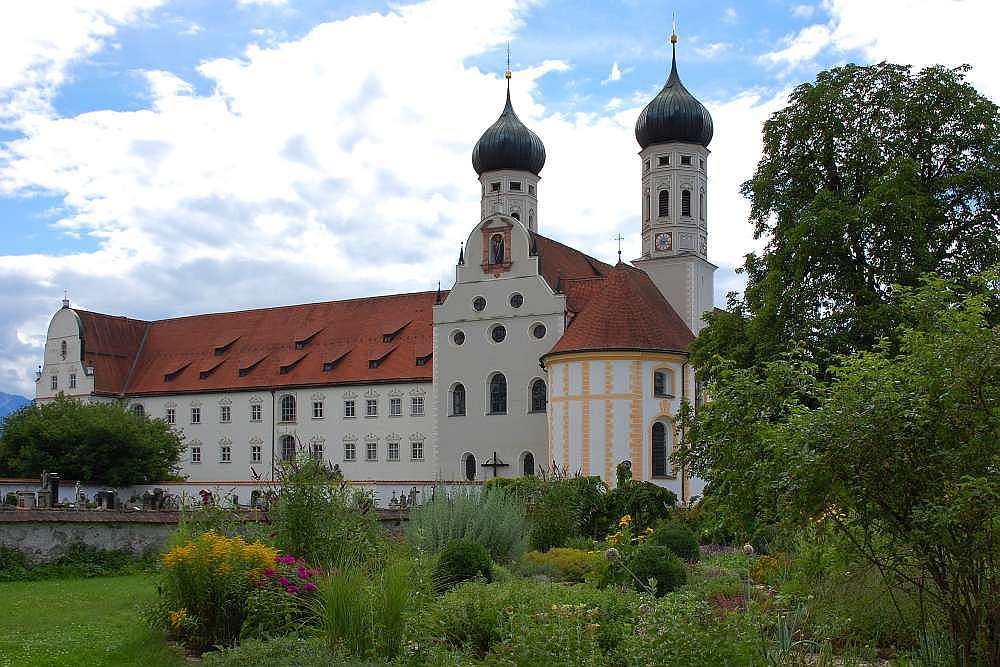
{"x": 209, "y": 581}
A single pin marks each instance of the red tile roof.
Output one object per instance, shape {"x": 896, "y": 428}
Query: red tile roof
{"x": 559, "y": 263}
{"x": 623, "y": 311}
{"x": 264, "y": 348}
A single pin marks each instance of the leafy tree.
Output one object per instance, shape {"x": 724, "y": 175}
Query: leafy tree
{"x": 99, "y": 442}
{"x": 870, "y": 177}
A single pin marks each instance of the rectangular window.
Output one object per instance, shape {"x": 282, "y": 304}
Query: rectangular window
{"x": 349, "y": 451}
{"x": 55, "y": 382}
{"x": 393, "y": 453}
{"x": 255, "y": 454}
{"x": 196, "y": 455}
{"x": 371, "y": 407}
{"x": 395, "y": 407}
{"x": 171, "y": 415}
{"x": 371, "y": 451}
{"x": 417, "y": 450}
{"x": 317, "y": 409}
{"x": 195, "y": 415}
{"x": 225, "y": 454}
{"x": 349, "y": 408}
{"x": 317, "y": 450}
{"x": 663, "y": 160}
{"x": 686, "y": 159}
{"x": 225, "y": 414}
{"x": 417, "y": 406}
{"x": 515, "y": 186}
{"x": 495, "y": 187}
{"x": 72, "y": 380}
{"x": 255, "y": 412}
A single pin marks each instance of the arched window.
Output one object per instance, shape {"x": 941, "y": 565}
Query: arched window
{"x": 138, "y": 410}
{"x": 663, "y": 384}
{"x": 538, "y": 396}
{"x": 63, "y": 349}
{"x": 528, "y": 464}
{"x": 498, "y": 394}
{"x": 659, "y": 450}
{"x": 531, "y": 219}
{"x": 470, "y": 467}
{"x": 664, "y": 203}
{"x": 645, "y": 205}
{"x": 287, "y": 447}
{"x": 516, "y": 215}
{"x": 686, "y": 203}
{"x": 288, "y": 408}
{"x": 496, "y": 249}
{"x": 701, "y": 205}
{"x": 458, "y": 401}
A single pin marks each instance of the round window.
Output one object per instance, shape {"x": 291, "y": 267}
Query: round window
{"x": 498, "y": 333}
{"x": 516, "y": 300}
{"x": 458, "y": 337}
{"x": 538, "y": 331}
{"x": 479, "y": 304}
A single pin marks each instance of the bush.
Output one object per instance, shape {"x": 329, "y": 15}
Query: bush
{"x": 491, "y": 518}
{"x": 288, "y": 651}
{"x": 764, "y": 539}
{"x": 569, "y": 508}
{"x": 570, "y": 564}
{"x": 679, "y": 539}
{"x": 649, "y": 561}
{"x": 77, "y": 561}
{"x": 461, "y": 560}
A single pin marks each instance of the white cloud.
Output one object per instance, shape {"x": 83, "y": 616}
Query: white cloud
{"x": 803, "y": 11}
{"x": 616, "y": 73}
{"x": 915, "y": 32}
{"x": 37, "y": 45}
{"x": 712, "y": 50}
{"x": 262, "y": 3}
{"x": 729, "y": 15}
{"x": 614, "y": 104}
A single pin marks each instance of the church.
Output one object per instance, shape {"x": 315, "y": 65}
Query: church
{"x": 539, "y": 358}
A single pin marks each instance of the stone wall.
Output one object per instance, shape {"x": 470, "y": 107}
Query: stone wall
{"x": 42, "y": 535}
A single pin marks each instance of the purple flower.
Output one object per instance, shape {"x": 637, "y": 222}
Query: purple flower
{"x": 268, "y": 572}
{"x": 283, "y": 581}
{"x": 310, "y": 586}
{"x": 292, "y": 589}
{"x": 303, "y": 573}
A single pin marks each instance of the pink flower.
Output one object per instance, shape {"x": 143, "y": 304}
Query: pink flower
{"x": 292, "y": 589}
{"x": 268, "y": 572}
{"x": 283, "y": 581}
{"x": 310, "y": 586}
{"x": 279, "y": 559}
{"x": 303, "y": 573}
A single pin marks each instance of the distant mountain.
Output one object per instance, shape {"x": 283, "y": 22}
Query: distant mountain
{"x": 11, "y": 403}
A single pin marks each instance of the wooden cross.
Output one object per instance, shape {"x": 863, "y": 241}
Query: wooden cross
{"x": 495, "y": 463}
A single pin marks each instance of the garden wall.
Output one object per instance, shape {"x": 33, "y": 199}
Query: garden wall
{"x": 42, "y": 535}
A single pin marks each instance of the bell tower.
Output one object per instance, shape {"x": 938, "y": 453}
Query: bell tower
{"x": 673, "y": 132}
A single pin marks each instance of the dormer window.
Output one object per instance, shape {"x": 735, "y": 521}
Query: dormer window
{"x": 422, "y": 361}
{"x": 224, "y": 346}
{"x": 328, "y": 366}
{"x": 515, "y": 186}
{"x": 387, "y": 338}
{"x": 373, "y": 363}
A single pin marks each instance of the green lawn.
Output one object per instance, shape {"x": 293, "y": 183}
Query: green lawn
{"x": 86, "y": 622}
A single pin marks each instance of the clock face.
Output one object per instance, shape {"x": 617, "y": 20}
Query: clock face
{"x": 664, "y": 241}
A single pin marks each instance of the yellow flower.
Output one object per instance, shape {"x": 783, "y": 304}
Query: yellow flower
{"x": 649, "y": 531}
{"x": 625, "y": 520}
{"x": 177, "y": 618}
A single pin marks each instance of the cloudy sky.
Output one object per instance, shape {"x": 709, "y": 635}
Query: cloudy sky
{"x": 168, "y": 157}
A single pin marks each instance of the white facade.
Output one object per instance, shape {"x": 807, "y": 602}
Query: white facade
{"x": 514, "y": 193}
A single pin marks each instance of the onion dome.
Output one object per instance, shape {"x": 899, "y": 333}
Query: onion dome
{"x": 674, "y": 114}
{"x": 508, "y": 144}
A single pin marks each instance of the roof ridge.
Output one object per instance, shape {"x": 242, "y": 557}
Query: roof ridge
{"x": 569, "y": 247}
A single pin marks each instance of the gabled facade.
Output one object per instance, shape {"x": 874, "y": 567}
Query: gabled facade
{"x": 538, "y": 356}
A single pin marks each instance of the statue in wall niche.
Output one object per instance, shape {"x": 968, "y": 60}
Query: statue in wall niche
{"x": 496, "y": 249}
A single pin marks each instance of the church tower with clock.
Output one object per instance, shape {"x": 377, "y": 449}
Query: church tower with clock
{"x": 674, "y": 131}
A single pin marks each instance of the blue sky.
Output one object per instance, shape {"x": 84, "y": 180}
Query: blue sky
{"x": 167, "y": 157}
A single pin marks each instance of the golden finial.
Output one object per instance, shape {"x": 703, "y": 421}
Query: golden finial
{"x": 673, "y": 33}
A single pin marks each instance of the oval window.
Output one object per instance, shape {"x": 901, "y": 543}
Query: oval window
{"x": 516, "y": 300}
{"x": 538, "y": 331}
{"x": 479, "y": 304}
{"x": 498, "y": 333}
{"x": 458, "y": 338}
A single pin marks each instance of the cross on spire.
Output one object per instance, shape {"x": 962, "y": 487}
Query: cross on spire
{"x": 619, "y": 238}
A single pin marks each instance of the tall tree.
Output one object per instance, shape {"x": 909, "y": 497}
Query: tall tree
{"x": 100, "y": 442}
{"x": 870, "y": 177}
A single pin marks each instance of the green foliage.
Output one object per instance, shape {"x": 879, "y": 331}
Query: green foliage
{"x": 679, "y": 539}
{"x": 290, "y": 651}
{"x": 649, "y": 561}
{"x": 568, "y": 564}
{"x": 492, "y": 518}
{"x": 645, "y": 502}
{"x": 568, "y": 508}
{"x": 870, "y": 177}
{"x": 99, "y": 442}
{"x": 319, "y": 518}
{"x": 77, "y": 561}
{"x": 461, "y": 560}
